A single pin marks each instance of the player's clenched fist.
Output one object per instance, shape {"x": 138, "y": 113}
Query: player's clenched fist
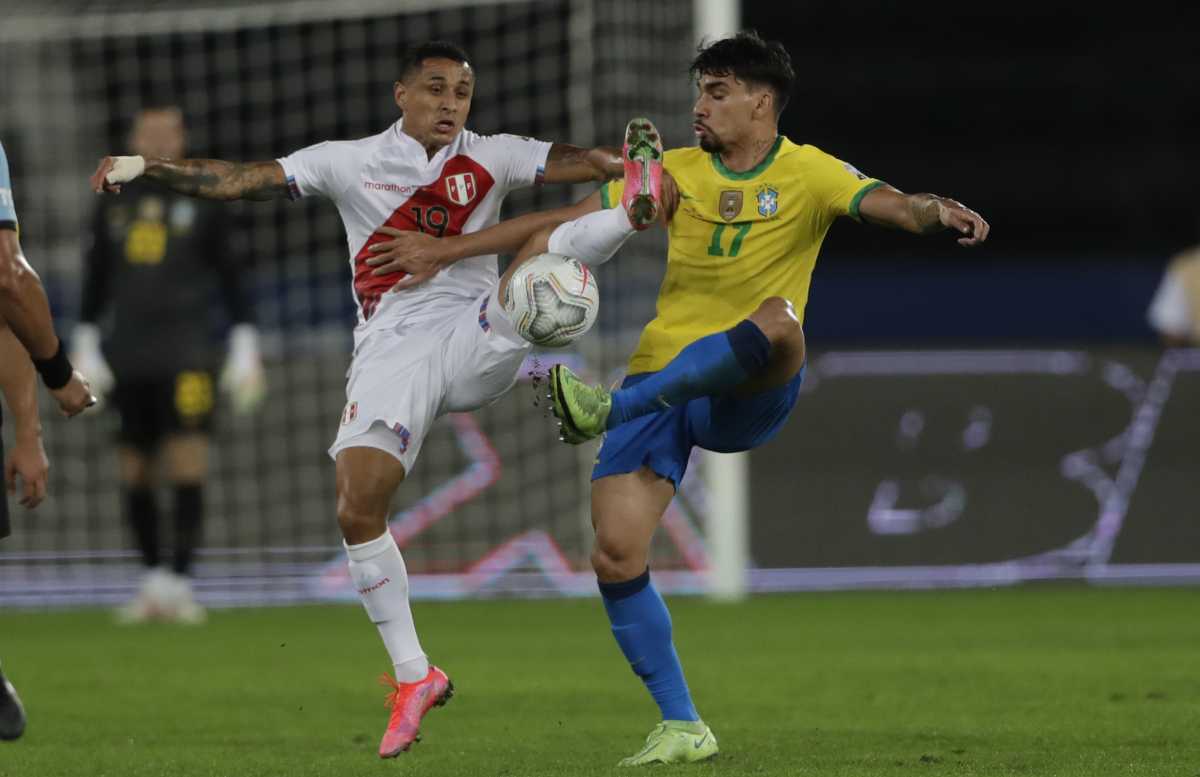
{"x": 75, "y": 397}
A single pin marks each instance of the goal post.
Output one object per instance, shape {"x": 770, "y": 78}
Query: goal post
{"x": 728, "y": 517}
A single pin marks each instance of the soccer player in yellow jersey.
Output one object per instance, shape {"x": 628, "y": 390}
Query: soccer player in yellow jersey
{"x": 720, "y": 366}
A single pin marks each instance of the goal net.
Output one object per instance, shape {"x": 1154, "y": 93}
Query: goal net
{"x": 495, "y": 505}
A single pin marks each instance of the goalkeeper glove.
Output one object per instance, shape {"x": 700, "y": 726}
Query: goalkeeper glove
{"x": 87, "y": 357}
{"x": 243, "y": 377}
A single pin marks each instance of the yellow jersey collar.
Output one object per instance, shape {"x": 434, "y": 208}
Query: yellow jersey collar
{"x": 725, "y": 172}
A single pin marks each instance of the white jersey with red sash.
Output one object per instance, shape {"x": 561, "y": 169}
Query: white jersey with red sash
{"x": 388, "y": 179}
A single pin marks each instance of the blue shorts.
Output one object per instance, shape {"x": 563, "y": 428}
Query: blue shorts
{"x": 663, "y": 441}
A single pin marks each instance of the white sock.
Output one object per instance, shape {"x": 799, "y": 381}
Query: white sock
{"x": 592, "y": 238}
{"x": 378, "y": 572}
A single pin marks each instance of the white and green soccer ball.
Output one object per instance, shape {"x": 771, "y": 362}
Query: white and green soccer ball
{"x": 552, "y": 300}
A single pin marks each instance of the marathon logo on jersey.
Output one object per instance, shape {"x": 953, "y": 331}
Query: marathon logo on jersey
{"x": 768, "y": 201}
{"x": 461, "y": 188}
{"x": 6, "y": 199}
{"x": 349, "y": 414}
{"x": 403, "y": 434}
{"x": 730, "y": 204}
{"x": 375, "y": 186}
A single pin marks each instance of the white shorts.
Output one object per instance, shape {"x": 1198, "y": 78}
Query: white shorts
{"x": 403, "y": 378}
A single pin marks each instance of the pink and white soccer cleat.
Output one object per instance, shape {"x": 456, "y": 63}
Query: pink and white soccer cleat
{"x": 409, "y": 703}
{"x": 643, "y": 153}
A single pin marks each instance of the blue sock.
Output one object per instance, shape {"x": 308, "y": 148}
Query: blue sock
{"x": 711, "y": 365}
{"x": 642, "y": 626}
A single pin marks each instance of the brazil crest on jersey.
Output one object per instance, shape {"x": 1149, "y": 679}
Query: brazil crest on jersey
{"x": 738, "y": 238}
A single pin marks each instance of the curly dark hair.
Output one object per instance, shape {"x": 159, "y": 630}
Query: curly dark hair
{"x": 749, "y": 59}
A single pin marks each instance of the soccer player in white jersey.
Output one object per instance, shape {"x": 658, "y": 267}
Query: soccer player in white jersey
{"x": 444, "y": 346}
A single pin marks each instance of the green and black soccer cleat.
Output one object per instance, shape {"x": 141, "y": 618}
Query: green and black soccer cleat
{"x": 582, "y": 409}
{"x": 675, "y": 742}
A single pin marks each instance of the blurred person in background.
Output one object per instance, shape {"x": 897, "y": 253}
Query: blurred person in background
{"x": 28, "y": 346}
{"x": 155, "y": 260}
{"x": 1175, "y": 310}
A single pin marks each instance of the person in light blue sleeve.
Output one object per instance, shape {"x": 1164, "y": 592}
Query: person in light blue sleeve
{"x": 8, "y": 211}
{"x": 25, "y": 311}
{"x": 28, "y": 346}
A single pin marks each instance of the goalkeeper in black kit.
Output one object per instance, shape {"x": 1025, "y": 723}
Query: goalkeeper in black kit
{"x": 156, "y": 262}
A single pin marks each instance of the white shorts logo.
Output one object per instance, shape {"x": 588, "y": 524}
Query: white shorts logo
{"x": 461, "y": 188}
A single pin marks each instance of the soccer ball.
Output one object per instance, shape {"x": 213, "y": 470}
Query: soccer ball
{"x": 552, "y": 300}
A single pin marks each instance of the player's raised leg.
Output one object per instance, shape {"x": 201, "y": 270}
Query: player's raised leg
{"x": 642, "y": 154}
{"x": 367, "y": 478}
{"x": 764, "y": 350}
{"x": 626, "y": 508}
{"x": 595, "y": 237}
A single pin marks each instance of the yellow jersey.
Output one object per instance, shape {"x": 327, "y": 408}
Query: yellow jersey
{"x": 738, "y": 238}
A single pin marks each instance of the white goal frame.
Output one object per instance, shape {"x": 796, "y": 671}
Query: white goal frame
{"x": 728, "y": 520}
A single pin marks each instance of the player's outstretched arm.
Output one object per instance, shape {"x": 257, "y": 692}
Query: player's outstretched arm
{"x": 422, "y": 256}
{"x": 923, "y": 214}
{"x": 210, "y": 179}
{"x": 573, "y": 164}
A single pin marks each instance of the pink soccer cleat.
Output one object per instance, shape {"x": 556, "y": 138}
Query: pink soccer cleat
{"x": 643, "y": 154}
{"x": 409, "y": 703}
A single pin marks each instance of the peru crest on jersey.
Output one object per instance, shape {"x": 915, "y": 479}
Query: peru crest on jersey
{"x": 460, "y": 189}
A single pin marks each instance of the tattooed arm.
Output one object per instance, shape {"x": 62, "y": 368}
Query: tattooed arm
{"x": 923, "y": 214}
{"x": 573, "y": 164}
{"x": 210, "y": 179}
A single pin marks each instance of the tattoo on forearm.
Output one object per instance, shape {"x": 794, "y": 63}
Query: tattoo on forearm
{"x": 924, "y": 208}
{"x": 605, "y": 163}
{"x": 610, "y": 162}
{"x": 216, "y": 179}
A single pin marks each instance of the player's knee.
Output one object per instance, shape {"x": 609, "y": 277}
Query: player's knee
{"x": 777, "y": 319}
{"x": 606, "y": 567}
{"x": 187, "y": 459}
{"x": 367, "y": 479}
{"x": 360, "y": 522}
{"x": 613, "y": 563}
{"x": 133, "y": 469}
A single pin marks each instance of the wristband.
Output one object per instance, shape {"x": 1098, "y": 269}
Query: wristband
{"x": 57, "y": 370}
{"x": 125, "y": 169}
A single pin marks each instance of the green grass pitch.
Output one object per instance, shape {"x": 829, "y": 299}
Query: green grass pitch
{"x": 1046, "y": 680}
